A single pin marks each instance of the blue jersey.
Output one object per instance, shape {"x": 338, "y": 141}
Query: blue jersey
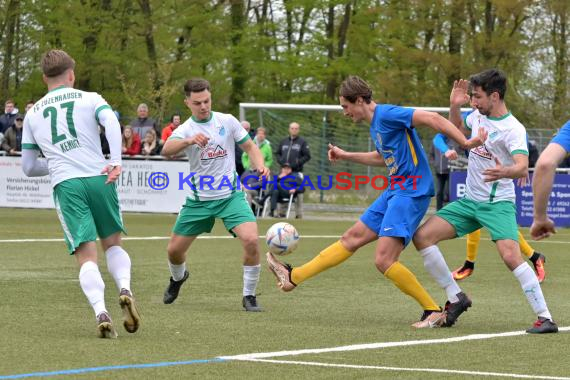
{"x": 398, "y": 142}
{"x": 563, "y": 137}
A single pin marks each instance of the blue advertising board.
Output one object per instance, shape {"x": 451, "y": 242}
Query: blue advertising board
{"x": 558, "y": 205}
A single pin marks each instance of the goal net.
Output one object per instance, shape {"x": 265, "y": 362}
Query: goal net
{"x": 321, "y": 125}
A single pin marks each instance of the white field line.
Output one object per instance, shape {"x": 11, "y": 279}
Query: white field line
{"x": 372, "y": 346}
{"x": 403, "y": 369}
{"x": 136, "y": 238}
{"x": 214, "y": 237}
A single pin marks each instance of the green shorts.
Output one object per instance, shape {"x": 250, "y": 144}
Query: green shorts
{"x": 87, "y": 208}
{"x": 197, "y": 217}
{"x": 466, "y": 216}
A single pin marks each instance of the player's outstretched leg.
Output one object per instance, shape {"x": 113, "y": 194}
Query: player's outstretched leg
{"x": 93, "y": 287}
{"x": 288, "y": 278}
{"x": 458, "y": 302}
{"x": 536, "y": 258}
{"x": 131, "y": 316}
{"x": 173, "y": 288}
{"x": 119, "y": 266}
{"x": 177, "y": 247}
{"x": 246, "y": 231}
{"x": 105, "y": 328}
{"x": 282, "y": 272}
{"x": 538, "y": 261}
{"x": 466, "y": 270}
{"x": 510, "y": 252}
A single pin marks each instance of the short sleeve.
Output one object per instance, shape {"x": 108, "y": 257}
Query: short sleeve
{"x": 396, "y": 117}
{"x": 180, "y": 133}
{"x": 562, "y": 138}
{"x": 516, "y": 141}
{"x": 239, "y": 134}
{"x": 468, "y": 119}
{"x": 28, "y": 140}
{"x": 99, "y": 104}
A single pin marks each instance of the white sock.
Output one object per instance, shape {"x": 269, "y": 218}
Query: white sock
{"x": 119, "y": 265}
{"x": 437, "y": 267}
{"x": 177, "y": 271}
{"x": 93, "y": 286}
{"x": 250, "y": 279}
{"x": 532, "y": 291}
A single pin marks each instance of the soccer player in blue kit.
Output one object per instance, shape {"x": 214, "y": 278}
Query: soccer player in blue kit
{"x": 542, "y": 226}
{"x": 393, "y": 218}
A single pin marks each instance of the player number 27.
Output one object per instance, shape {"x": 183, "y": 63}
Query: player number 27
{"x": 52, "y": 113}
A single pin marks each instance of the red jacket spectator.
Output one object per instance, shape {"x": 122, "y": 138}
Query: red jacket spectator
{"x": 167, "y": 131}
{"x": 131, "y": 142}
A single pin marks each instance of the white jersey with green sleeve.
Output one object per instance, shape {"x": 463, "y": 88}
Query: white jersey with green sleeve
{"x": 506, "y": 137}
{"x": 64, "y": 126}
{"x": 213, "y": 167}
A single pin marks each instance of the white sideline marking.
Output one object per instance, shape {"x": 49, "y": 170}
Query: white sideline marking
{"x": 135, "y": 238}
{"x": 370, "y": 346}
{"x": 400, "y": 369}
{"x": 212, "y": 237}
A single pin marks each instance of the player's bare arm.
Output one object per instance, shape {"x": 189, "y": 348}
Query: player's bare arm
{"x": 256, "y": 157}
{"x": 518, "y": 170}
{"x": 542, "y": 226}
{"x": 458, "y": 97}
{"x": 174, "y": 146}
{"x": 441, "y": 124}
{"x": 366, "y": 158}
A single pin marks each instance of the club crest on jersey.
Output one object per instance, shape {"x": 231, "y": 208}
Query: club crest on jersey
{"x": 221, "y": 131}
{"x": 211, "y": 152}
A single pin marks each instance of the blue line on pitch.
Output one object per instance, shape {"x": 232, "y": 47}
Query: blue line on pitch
{"x": 108, "y": 368}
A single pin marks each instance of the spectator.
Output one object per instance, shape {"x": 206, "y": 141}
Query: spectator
{"x": 265, "y": 148}
{"x": 440, "y": 155}
{"x": 7, "y": 119}
{"x": 532, "y": 153}
{"x": 131, "y": 141}
{"x": 29, "y": 105}
{"x": 239, "y": 152}
{"x": 12, "y": 143}
{"x": 283, "y": 189}
{"x": 294, "y": 149}
{"x": 175, "y": 121}
{"x": 252, "y": 186}
{"x": 150, "y": 146}
{"x": 143, "y": 123}
{"x": 105, "y": 149}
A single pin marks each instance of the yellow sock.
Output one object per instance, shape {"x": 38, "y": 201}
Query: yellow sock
{"x": 409, "y": 284}
{"x": 473, "y": 240}
{"x": 331, "y": 256}
{"x": 526, "y": 249}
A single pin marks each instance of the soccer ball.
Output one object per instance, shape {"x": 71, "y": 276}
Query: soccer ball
{"x": 282, "y": 238}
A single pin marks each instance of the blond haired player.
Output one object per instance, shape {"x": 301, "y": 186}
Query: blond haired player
{"x": 64, "y": 125}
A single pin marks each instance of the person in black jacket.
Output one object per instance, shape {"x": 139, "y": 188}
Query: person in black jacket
{"x": 294, "y": 149}
{"x": 8, "y": 118}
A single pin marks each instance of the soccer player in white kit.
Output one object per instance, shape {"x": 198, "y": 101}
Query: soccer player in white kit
{"x": 209, "y": 140}
{"x": 490, "y": 195}
{"x": 63, "y": 125}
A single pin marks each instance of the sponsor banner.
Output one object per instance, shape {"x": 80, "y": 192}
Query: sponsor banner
{"x": 558, "y": 205}
{"x": 17, "y": 190}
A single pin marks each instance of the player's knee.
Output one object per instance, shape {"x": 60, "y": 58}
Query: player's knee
{"x": 250, "y": 243}
{"x": 353, "y": 239}
{"x": 383, "y": 260}
{"x": 421, "y": 239}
